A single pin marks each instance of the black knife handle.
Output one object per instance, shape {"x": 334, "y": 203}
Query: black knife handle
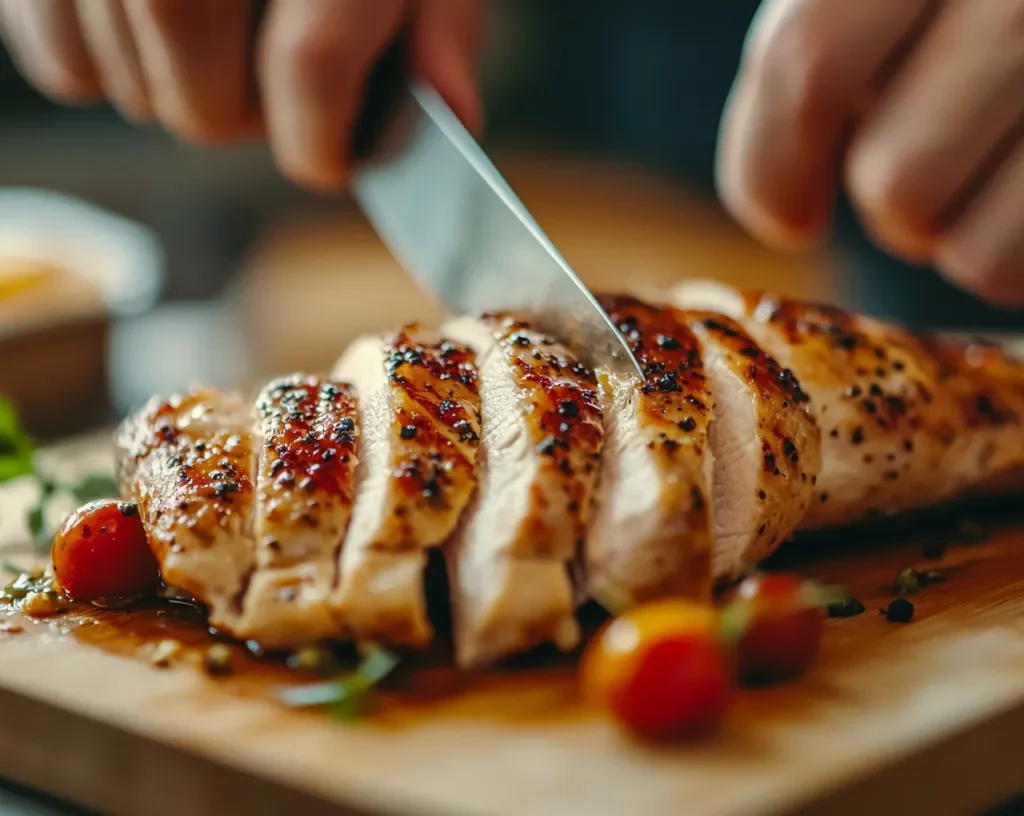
{"x": 383, "y": 89}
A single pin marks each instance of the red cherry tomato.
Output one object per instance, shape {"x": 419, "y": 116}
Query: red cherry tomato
{"x": 660, "y": 670}
{"x": 101, "y": 552}
{"x": 783, "y": 633}
{"x": 681, "y": 687}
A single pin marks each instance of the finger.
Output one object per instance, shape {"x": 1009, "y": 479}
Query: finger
{"x": 51, "y": 51}
{"x": 952, "y": 104}
{"x": 194, "y": 56}
{"x": 806, "y": 68}
{"x": 314, "y": 58}
{"x": 109, "y": 38}
{"x": 445, "y": 49}
{"x": 984, "y": 249}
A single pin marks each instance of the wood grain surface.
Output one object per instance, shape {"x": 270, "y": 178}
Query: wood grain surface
{"x": 925, "y": 717}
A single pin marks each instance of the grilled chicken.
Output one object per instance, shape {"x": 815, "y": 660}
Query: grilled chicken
{"x": 652, "y": 526}
{"x": 988, "y": 387}
{"x": 305, "y": 484}
{"x": 189, "y": 463}
{"x": 420, "y": 419}
{"x": 542, "y": 436}
{"x": 310, "y": 517}
{"x": 894, "y": 430}
{"x": 766, "y": 447}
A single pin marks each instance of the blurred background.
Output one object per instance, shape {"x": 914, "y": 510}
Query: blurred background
{"x": 603, "y": 115}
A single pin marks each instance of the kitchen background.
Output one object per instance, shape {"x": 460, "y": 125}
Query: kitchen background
{"x": 603, "y": 115}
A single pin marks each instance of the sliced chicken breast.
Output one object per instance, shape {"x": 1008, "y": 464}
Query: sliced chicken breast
{"x": 886, "y": 422}
{"x": 305, "y": 485}
{"x": 652, "y": 526}
{"x": 542, "y": 434}
{"x": 189, "y": 463}
{"x": 766, "y": 446}
{"x": 988, "y": 386}
{"x": 419, "y": 409}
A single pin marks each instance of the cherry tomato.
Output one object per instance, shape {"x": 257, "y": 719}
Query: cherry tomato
{"x": 783, "y": 632}
{"x": 101, "y": 552}
{"x": 660, "y": 670}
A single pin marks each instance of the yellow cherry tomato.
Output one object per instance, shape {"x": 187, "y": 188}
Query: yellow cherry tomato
{"x": 611, "y": 658}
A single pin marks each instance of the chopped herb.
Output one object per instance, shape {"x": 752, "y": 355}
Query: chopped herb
{"x": 346, "y": 697}
{"x": 312, "y": 660}
{"x": 908, "y": 581}
{"x": 848, "y": 608}
{"x": 24, "y": 585}
{"x": 217, "y": 660}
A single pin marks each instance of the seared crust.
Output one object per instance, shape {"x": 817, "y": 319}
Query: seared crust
{"x": 897, "y": 433}
{"x": 436, "y": 430}
{"x": 666, "y": 549}
{"x": 425, "y": 395}
{"x": 787, "y": 435}
{"x": 563, "y": 417}
{"x": 188, "y": 462}
{"x": 876, "y": 395}
{"x": 303, "y": 507}
{"x": 987, "y": 385}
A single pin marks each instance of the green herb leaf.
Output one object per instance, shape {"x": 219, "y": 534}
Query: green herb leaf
{"x": 347, "y": 697}
{"x": 16, "y": 446}
{"x": 35, "y": 521}
{"x": 93, "y": 487}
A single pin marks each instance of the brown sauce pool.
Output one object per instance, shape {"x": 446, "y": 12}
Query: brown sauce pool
{"x": 541, "y": 685}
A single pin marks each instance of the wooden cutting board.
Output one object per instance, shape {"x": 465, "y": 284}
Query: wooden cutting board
{"x": 925, "y": 717}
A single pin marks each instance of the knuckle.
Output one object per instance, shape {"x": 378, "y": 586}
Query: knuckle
{"x": 792, "y": 52}
{"x": 891, "y": 188}
{"x": 994, "y": 277}
{"x": 203, "y": 131}
{"x": 67, "y": 87}
{"x": 313, "y": 177}
{"x": 165, "y": 13}
{"x": 321, "y": 59}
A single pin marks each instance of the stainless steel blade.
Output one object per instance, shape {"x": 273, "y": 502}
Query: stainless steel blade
{"x": 459, "y": 230}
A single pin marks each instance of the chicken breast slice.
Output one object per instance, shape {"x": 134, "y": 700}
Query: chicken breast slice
{"x": 988, "y": 385}
{"x": 887, "y": 424}
{"x": 766, "y": 446}
{"x": 509, "y": 560}
{"x": 419, "y": 409}
{"x": 189, "y": 461}
{"x": 651, "y": 532}
{"x": 304, "y": 494}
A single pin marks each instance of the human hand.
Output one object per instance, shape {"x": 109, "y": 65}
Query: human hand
{"x": 915, "y": 106}
{"x": 194, "y": 67}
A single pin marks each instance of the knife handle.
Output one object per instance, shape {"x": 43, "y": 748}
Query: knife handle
{"x": 382, "y": 93}
{"x": 383, "y": 90}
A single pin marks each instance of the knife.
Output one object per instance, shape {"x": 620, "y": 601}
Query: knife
{"x": 455, "y": 225}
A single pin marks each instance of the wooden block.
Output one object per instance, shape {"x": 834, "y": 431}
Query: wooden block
{"x": 925, "y": 717}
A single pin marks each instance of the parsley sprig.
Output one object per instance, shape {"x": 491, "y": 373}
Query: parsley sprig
{"x": 18, "y": 460}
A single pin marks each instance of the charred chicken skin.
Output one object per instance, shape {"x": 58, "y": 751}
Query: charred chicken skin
{"x": 308, "y": 514}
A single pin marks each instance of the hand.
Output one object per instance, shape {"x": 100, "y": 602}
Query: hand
{"x": 188, "y": 64}
{"x": 916, "y": 106}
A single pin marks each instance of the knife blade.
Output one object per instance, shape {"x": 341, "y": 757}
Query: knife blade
{"x": 456, "y": 226}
